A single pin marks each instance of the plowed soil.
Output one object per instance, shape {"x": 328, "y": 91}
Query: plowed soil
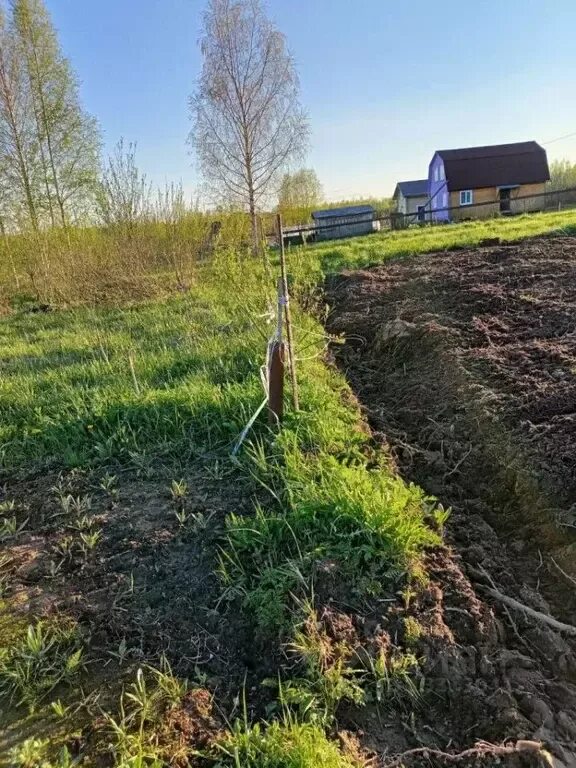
{"x": 465, "y": 363}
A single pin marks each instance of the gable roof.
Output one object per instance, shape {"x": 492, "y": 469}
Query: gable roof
{"x": 418, "y": 188}
{"x": 349, "y": 210}
{"x": 494, "y": 166}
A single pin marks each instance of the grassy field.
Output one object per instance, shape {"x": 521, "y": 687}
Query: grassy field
{"x": 158, "y": 392}
{"x": 374, "y": 249}
{"x": 161, "y": 388}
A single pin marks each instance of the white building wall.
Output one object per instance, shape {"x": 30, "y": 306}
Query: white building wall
{"x": 414, "y": 202}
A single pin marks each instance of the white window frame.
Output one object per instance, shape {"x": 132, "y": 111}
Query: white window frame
{"x": 441, "y": 172}
{"x": 466, "y": 197}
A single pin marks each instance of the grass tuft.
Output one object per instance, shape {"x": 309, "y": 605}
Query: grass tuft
{"x": 286, "y": 744}
{"x": 46, "y": 656}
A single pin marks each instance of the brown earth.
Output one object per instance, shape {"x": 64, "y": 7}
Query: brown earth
{"x": 149, "y": 590}
{"x": 465, "y": 363}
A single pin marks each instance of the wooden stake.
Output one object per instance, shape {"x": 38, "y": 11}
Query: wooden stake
{"x": 289, "y": 335}
{"x": 277, "y": 356}
{"x": 276, "y": 384}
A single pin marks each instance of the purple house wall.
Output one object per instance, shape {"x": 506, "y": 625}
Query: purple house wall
{"x": 438, "y": 188}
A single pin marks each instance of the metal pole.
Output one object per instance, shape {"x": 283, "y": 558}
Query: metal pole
{"x": 289, "y": 335}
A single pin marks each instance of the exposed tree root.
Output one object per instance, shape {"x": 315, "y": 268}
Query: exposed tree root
{"x": 479, "y": 750}
{"x": 543, "y": 618}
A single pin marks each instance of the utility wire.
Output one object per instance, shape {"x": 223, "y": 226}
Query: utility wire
{"x": 566, "y": 136}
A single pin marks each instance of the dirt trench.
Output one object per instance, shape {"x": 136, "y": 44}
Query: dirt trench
{"x": 465, "y": 363}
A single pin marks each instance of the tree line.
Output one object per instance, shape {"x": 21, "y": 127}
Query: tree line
{"x": 49, "y": 146}
{"x": 247, "y": 122}
{"x": 248, "y": 128}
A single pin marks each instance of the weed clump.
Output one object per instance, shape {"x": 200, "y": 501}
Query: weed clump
{"x": 363, "y": 527}
{"x": 162, "y": 721}
{"x": 46, "y": 656}
{"x": 286, "y": 744}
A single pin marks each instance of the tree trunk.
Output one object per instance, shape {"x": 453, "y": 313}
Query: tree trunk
{"x": 20, "y": 159}
{"x": 252, "y": 207}
{"x": 48, "y": 134}
{"x": 47, "y": 131}
{"x": 254, "y": 227}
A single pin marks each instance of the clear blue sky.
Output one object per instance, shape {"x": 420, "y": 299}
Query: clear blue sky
{"x": 385, "y": 83}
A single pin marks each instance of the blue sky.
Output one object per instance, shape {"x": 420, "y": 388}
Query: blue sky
{"x": 385, "y": 83}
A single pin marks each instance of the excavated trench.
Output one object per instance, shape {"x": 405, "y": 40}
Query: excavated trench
{"x": 465, "y": 363}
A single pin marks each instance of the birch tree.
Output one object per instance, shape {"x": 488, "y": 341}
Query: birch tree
{"x": 18, "y": 144}
{"x": 68, "y": 139}
{"x": 247, "y": 119}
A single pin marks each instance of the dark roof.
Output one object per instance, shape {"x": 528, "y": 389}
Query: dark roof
{"x": 475, "y": 167}
{"x": 417, "y": 188}
{"x": 349, "y": 210}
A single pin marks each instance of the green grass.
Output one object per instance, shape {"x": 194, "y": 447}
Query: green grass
{"x": 364, "y": 522}
{"x": 174, "y": 382}
{"x": 285, "y": 744}
{"x": 178, "y": 378}
{"x": 373, "y": 249}
{"x": 47, "y": 655}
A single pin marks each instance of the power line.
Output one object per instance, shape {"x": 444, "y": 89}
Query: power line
{"x": 567, "y": 136}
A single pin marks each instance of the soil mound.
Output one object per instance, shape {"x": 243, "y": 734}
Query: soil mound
{"x": 466, "y": 365}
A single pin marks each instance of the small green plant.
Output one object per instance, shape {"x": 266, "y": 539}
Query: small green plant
{"x": 181, "y": 516}
{"x": 66, "y": 548}
{"x": 142, "y": 708}
{"x": 30, "y": 754}
{"x": 9, "y": 527}
{"x": 75, "y": 505}
{"x": 33, "y": 753}
{"x": 328, "y": 677}
{"x": 80, "y": 505}
{"x": 83, "y": 523}
{"x": 437, "y": 514}
{"x": 59, "y": 708}
{"x": 178, "y": 489}
{"x": 201, "y": 521}
{"x": 48, "y": 654}
{"x": 413, "y": 631}
{"x": 391, "y": 678}
{"x": 108, "y": 483}
{"x": 89, "y": 541}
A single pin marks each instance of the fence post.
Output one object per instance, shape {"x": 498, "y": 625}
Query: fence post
{"x": 289, "y": 335}
{"x": 276, "y": 368}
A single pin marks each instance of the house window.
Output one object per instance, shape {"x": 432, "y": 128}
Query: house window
{"x": 466, "y": 197}
{"x": 445, "y": 199}
{"x": 441, "y": 172}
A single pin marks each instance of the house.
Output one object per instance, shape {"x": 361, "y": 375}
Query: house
{"x": 411, "y": 197}
{"x": 484, "y": 181}
{"x": 344, "y": 222}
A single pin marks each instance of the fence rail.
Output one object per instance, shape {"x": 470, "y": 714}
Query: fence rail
{"x": 543, "y": 201}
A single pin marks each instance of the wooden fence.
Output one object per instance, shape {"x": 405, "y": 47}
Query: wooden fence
{"x": 546, "y": 201}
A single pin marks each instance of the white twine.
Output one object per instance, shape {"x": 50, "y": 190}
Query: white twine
{"x": 264, "y": 369}
{"x": 265, "y": 386}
